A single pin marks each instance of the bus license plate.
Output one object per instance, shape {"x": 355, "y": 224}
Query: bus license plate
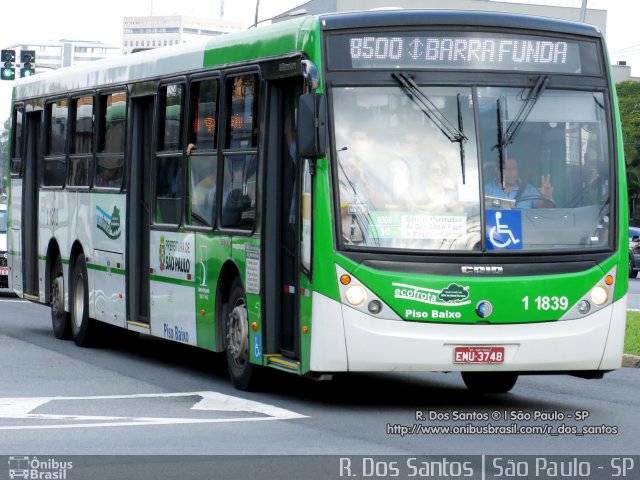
{"x": 4, "y": 271}
{"x": 478, "y": 355}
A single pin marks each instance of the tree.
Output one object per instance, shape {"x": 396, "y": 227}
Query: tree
{"x": 629, "y": 100}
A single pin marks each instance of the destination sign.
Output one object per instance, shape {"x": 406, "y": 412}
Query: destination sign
{"x": 462, "y": 50}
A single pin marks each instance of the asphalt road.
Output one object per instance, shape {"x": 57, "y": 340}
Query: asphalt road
{"x": 143, "y": 396}
{"x": 633, "y": 300}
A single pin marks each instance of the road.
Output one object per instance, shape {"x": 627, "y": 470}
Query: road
{"x": 633, "y": 301}
{"x": 143, "y": 396}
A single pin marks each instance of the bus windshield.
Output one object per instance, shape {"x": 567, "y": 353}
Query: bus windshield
{"x": 528, "y": 168}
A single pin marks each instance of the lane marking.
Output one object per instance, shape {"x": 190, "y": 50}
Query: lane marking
{"x": 20, "y": 408}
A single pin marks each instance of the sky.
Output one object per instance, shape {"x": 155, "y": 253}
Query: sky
{"x": 90, "y": 20}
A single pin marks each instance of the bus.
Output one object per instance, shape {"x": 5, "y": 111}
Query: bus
{"x": 378, "y": 191}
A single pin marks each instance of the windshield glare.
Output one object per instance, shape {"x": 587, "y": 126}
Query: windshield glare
{"x": 401, "y": 182}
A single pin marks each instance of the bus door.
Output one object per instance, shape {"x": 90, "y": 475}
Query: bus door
{"x": 138, "y": 217}
{"x": 30, "y": 205}
{"x": 282, "y": 221}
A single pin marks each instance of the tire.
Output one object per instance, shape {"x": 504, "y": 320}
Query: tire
{"x": 486, "y": 382}
{"x": 241, "y": 371}
{"x": 59, "y": 318}
{"x": 82, "y": 327}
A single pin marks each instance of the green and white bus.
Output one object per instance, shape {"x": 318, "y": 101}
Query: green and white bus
{"x": 368, "y": 191}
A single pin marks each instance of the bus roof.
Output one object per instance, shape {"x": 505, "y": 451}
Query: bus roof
{"x": 264, "y": 42}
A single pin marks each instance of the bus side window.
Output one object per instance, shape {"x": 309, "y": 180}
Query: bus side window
{"x": 55, "y": 160}
{"x": 240, "y": 155}
{"x": 110, "y": 155}
{"x": 16, "y": 157}
{"x": 202, "y": 154}
{"x": 169, "y": 172}
{"x": 81, "y": 155}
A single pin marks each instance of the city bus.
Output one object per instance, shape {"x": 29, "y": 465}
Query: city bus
{"x": 431, "y": 191}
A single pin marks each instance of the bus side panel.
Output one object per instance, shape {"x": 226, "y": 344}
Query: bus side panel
{"x": 14, "y": 247}
{"x": 211, "y": 253}
{"x": 172, "y": 267}
{"x": 52, "y": 222}
{"x": 107, "y": 261}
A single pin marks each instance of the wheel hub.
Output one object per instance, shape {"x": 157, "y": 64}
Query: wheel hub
{"x": 57, "y": 296}
{"x": 238, "y": 334}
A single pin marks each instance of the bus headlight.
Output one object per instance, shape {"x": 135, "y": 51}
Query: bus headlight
{"x": 374, "y": 307}
{"x": 356, "y": 295}
{"x": 599, "y": 295}
{"x": 584, "y": 307}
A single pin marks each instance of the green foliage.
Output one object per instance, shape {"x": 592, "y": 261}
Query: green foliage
{"x": 629, "y": 100}
{"x": 632, "y": 335}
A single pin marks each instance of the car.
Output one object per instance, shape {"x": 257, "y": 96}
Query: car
{"x": 4, "y": 269}
{"x": 634, "y": 251}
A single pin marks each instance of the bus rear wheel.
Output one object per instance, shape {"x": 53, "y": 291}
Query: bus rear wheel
{"x": 489, "y": 382}
{"x": 241, "y": 370}
{"x": 59, "y": 318}
{"x": 82, "y": 327}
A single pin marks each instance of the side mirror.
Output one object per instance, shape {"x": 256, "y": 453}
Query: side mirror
{"x": 635, "y": 239}
{"x": 312, "y": 125}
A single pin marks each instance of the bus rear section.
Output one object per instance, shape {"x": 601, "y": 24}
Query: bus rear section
{"x": 479, "y": 198}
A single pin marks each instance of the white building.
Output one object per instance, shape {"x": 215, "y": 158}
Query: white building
{"x": 143, "y": 33}
{"x": 595, "y": 17}
{"x": 65, "y": 53}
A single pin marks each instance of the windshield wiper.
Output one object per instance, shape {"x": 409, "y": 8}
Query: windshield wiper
{"x": 417, "y": 96}
{"x": 506, "y": 137}
{"x": 532, "y": 98}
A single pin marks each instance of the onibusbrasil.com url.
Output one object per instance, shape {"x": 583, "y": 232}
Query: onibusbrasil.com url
{"x": 491, "y": 429}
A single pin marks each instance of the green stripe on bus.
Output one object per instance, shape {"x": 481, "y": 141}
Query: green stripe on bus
{"x": 174, "y": 281}
{"x": 101, "y": 268}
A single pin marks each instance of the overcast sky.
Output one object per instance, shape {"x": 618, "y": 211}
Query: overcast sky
{"x": 102, "y": 21}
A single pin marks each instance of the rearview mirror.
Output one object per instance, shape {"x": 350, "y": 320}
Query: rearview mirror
{"x": 312, "y": 125}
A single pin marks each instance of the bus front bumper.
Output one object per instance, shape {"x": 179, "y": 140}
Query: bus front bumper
{"x": 345, "y": 339}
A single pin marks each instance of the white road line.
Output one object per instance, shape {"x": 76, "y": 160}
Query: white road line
{"x": 21, "y": 408}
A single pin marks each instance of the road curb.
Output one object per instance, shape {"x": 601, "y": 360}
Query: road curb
{"x": 630, "y": 361}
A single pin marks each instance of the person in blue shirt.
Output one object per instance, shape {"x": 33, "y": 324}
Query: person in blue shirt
{"x": 525, "y": 194}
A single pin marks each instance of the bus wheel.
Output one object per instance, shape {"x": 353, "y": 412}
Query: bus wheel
{"x": 59, "y": 318}
{"x": 485, "y": 382}
{"x": 81, "y": 326}
{"x": 241, "y": 370}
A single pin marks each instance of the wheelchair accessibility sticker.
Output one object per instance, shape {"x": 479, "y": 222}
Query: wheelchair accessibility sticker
{"x": 504, "y": 229}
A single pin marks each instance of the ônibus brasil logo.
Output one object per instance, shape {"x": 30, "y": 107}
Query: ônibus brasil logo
{"x": 109, "y": 224}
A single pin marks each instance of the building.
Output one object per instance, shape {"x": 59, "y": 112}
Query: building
{"x": 622, "y": 72}
{"x": 143, "y": 33}
{"x": 593, "y": 16}
{"x": 66, "y": 53}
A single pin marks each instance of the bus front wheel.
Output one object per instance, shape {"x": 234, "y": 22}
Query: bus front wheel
{"x": 489, "y": 382}
{"x": 241, "y": 370}
{"x": 81, "y": 325}
{"x": 59, "y": 318}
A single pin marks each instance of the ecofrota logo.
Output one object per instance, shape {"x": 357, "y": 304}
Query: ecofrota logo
{"x": 38, "y": 469}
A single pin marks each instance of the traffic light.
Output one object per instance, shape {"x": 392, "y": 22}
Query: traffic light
{"x": 8, "y": 72}
{"x": 27, "y": 58}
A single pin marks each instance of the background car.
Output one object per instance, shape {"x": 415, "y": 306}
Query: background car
{"x": 634, "y": 251}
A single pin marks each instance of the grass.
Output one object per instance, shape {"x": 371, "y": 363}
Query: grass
{"x": 632, "y": 335}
